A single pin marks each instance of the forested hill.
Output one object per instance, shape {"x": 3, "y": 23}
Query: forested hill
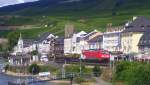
{"x": 79, "y": 7}
{"x": 86, "y": 15}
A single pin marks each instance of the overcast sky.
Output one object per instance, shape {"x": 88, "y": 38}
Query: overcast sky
{"x": 11, "y": 2}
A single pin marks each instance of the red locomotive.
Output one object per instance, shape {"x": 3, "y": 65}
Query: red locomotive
{"x": 95, "y": 54}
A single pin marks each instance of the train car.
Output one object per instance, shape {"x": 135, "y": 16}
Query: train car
{"x": 95, "y": 54}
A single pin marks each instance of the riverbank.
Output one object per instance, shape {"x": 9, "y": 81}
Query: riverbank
{"x": 56, "y": 82}
{"x": 17, "y": 74}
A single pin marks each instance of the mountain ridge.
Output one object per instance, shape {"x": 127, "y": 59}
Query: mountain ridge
{"x": 84, "y": 14}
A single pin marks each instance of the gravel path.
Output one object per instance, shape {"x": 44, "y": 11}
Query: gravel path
{"x": 99, "y": 81}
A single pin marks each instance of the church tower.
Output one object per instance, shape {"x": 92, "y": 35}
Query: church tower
{"x": 20, "y": 44}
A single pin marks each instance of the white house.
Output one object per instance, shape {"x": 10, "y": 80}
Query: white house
{"x": 44, "y": 42}
{"x": 92, "y": 40}
{"x": 21, "y": 51}
{"x": 81, "y": 41}
{"x": 72, "y": 45}
{"x": 112, "y": 39}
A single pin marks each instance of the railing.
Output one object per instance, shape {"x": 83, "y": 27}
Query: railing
{"x": 60, "y": 77}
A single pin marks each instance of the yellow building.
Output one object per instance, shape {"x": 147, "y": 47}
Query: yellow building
{"x": 130, "y": 42}
{"x": 132, "y": 33}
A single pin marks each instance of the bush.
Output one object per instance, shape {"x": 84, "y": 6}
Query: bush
{"x": 79, "y": 80}
{"x": 97, "y": 71}
{"x": 133, "y": 73}
{"x": 34, "y": 69}
{"x": 6, "y": 67}
{"x": 46, "y": 68}
{"x": 34, "y": 52}
{"x": 76, "y": 69}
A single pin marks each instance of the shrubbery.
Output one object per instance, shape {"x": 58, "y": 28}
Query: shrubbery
{"x": 6, "y": 67}
{"x": 133, "y": 73}
{"x": 34, "y": 69}
{"x": 97, "y": 71}
{"x": 76, "y": 69}
{"x": 79, "y": 80}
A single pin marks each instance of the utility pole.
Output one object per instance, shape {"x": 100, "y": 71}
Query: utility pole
{"x": 63, "y": 70}
{"x": 71, "y": 79}
{"x": 80, "y": 66}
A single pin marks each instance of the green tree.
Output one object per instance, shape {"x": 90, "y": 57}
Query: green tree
{"x": 1, "y": 47}
{"x": 6, "y": 67}
{"x": 34, "y": 69}
{"x": 34, "y": 52}
{"x": 12, "y": 39}
{"x": 133, "y": 73}
{"x": 97, "y": 71}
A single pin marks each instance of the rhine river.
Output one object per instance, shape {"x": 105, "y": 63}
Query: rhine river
{"x": 5, "y": 78}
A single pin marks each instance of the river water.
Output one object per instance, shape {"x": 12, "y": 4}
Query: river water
{"x": 5, "y": 78}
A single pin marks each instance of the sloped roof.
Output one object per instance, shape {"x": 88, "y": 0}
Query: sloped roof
{"x": 59, "y": 41}
{"x": 28, "y": 42}
{"x": 98, "y": 38}
{"x": 138, "y": 25}
{"x": 43, "y": 36}
{"x": 145, "y": 39}
{"x": 86, "y": 37}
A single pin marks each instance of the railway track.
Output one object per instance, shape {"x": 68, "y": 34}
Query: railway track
{"x": 86, "y": 61}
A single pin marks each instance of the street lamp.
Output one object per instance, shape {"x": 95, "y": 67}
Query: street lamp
{"x": 80, "y": 67}
{"x": 63, "y": 70}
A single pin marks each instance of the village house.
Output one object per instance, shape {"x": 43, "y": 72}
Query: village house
{"x": 44, "y": 43}
{"x": 144, "y": 43}
{"x": 112, "y": 39}
{"x": 20, "y": 59}
{"x": 72, "y": 44}
{"x": 132, "y": 33}
{"x": 82, "y": 41}
{"x": 96, "y": 42}
{"x": 23, "y": 50}
{"x": 92, "y": 40}
{"x": 59, "y": 47}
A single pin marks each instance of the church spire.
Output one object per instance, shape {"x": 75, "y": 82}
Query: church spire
{"x": 20, "y": 38}
{"x": 20, "y": 44}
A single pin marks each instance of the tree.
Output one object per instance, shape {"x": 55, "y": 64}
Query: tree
{"x": 12, "y": 39}
{"x": 6, "y": 67}
{"x": 97, "y": 71}
{"x": 132, "y": 73}
{"x": 1, "y": 47}
{"x": 34, "y": 52}
{"x": 34, "y": 69}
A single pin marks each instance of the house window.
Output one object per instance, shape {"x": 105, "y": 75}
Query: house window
{"x": 144, "y": 41}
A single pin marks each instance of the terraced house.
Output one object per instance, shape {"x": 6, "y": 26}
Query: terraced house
{"x": 83, "y": 41}
{"x": 144, "y": 44}
{"x": 112, "y": 39}
{"x": 132, "y": 33}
